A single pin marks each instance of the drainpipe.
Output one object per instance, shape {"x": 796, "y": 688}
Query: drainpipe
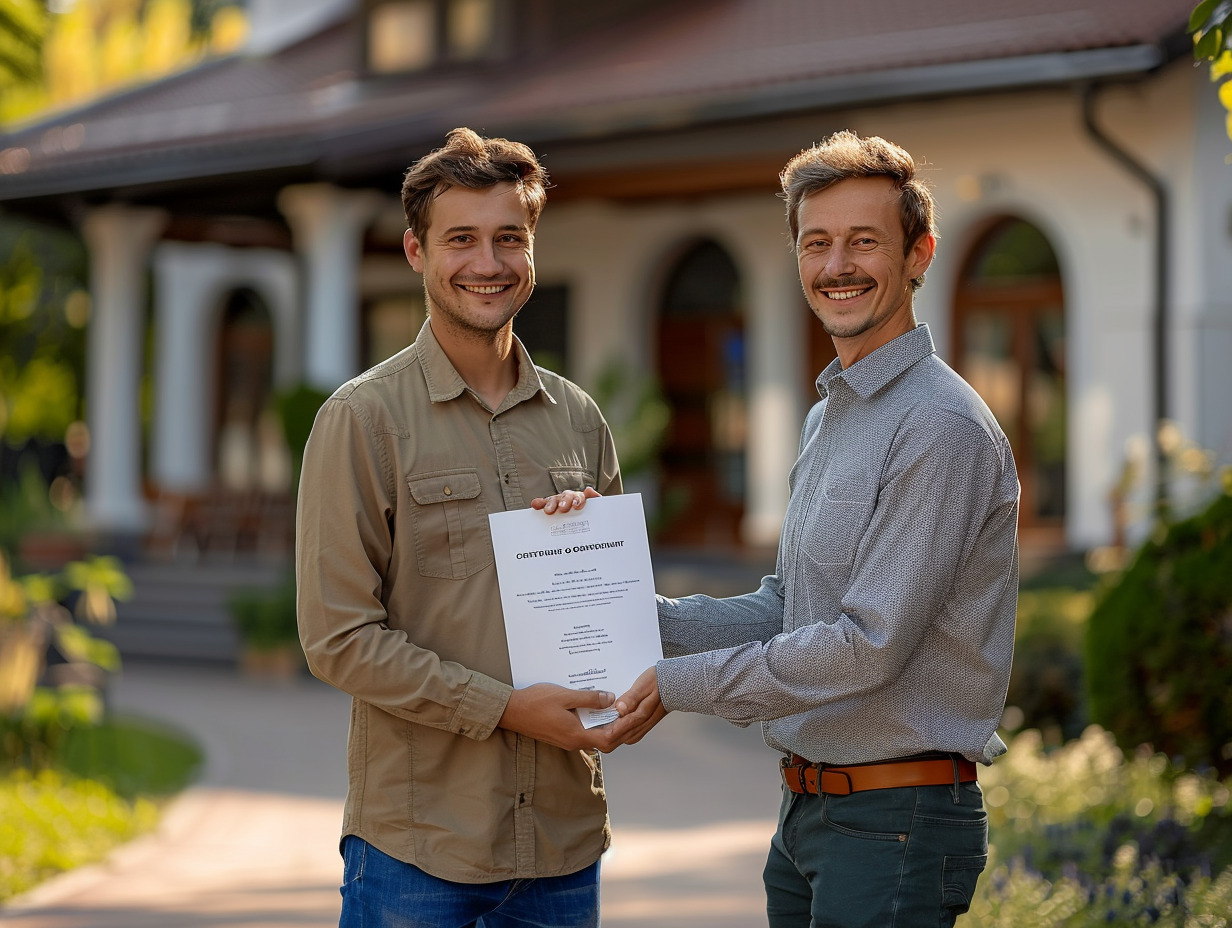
{"x": 1159, "y": 194}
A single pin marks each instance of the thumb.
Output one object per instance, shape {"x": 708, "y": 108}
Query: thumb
{"x": 594, "y": 699}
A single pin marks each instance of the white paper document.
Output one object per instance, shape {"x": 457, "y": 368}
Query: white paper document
{"x": 577, "y": 590}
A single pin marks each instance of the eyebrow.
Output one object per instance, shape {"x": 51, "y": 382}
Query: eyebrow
{"x": 506, "y": 228}
{"x": 818, "y": 230}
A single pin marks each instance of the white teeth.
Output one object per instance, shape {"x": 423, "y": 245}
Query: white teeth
{"x": 494, "y": 289}
{"x": 845, "y": 294}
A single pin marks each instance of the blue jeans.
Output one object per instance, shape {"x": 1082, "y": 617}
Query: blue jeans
{"x": 885, "y": 858}
{"x": 379, "y": 891}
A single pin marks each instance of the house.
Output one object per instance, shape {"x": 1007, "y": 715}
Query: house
{"x": 1083, "y": 281}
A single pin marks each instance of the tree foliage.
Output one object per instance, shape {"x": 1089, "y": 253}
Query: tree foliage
{"x": 22, "y": 23}
{"x": 43, "y": 312}
{"x": 93, "y": 47}
{"x": 1211, "y": 25}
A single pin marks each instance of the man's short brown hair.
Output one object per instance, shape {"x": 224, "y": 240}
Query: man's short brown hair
{"x": 469, "y": 160}
{"x": 844, "y": 155}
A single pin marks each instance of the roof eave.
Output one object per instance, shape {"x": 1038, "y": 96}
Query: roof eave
{"x": 307, "y": 146}
{"x": 846, "y": 91}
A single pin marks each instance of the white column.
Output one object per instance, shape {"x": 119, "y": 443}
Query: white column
{"x": 777, "y": 352}
{"x": 119, "y": 239}
{"x": 327, "y": 224}
{"x": 184, "y": 288}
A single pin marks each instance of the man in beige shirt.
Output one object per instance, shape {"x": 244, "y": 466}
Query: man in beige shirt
{"x": 469, "y": 802}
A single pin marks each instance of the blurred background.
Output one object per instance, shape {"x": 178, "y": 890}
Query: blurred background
{"x": 200, "y": 238}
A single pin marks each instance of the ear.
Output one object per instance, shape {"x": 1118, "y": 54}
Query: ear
{"x": 920, "y": 255}
{"x": 414, "y": 250}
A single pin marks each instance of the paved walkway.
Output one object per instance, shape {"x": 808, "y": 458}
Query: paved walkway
{"x": 254, "y": 843}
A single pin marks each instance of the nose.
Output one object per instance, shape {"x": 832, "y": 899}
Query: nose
{"x": 486, "y": 261}
{"x": 838, "y": 261}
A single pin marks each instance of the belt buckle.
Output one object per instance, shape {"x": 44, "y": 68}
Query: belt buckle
{"x": 790, "y": 772}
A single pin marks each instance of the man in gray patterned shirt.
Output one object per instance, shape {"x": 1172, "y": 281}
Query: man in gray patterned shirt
{"x": 877, "y": 656}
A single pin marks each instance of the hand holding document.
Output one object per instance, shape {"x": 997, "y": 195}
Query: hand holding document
{"x": 577, "y": 590}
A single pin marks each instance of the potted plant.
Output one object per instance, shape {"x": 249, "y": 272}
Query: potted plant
{"x": 265, "y": 622}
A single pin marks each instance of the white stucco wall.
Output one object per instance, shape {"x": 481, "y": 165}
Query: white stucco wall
{"x": 615, "y": 258}
{"x": 1027, "y": 155}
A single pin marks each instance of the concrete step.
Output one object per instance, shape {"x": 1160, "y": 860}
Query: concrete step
{"x": 179, "y": 611}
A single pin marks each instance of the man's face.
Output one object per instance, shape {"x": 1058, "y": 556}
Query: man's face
{"x": 476, "y": 257}
{"x": 855, "y": 275}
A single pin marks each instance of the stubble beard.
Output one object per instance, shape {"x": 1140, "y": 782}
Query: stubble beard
{"x": 472, "y": 329}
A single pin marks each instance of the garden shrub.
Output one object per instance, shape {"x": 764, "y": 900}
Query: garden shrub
{"x": 1159, "y": 643}
{"x": 50, "y": 822}
{"x": 1083, "y": 836}
{"x": 1046, "y": 678}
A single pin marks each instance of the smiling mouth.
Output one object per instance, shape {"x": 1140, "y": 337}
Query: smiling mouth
{"x": 485, "y": 289}
{"x": 840, "y": 295}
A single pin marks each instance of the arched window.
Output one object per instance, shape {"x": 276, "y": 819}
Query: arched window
{"x": 701, "y": 365}
{"x": 1010, "y": 345}
{"x": 250, "y": 452}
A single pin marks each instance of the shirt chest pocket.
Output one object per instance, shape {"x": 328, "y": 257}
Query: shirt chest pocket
{"x": 835, "y": 529}
{"x": 452, "y": 540}
{"x": 570, "y": 478}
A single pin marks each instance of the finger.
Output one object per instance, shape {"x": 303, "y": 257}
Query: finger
{"x": 592, "y": 699}
{"x": 538, "y": 502}
{"x": 635, "y": 733}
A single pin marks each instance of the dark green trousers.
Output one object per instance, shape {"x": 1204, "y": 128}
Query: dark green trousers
{"x": 887, "y": 858}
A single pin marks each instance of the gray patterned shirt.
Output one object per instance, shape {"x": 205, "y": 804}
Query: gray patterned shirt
{"x": 888, "y": 627}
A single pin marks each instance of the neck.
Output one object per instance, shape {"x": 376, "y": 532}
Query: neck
{"x": 485, "y": 361}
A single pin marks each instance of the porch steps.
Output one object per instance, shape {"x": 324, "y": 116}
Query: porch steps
{"x": 178, "y": 611}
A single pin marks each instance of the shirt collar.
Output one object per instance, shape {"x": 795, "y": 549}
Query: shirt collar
{"x": 875, "y": 370}
{"x": 445, "y": 383}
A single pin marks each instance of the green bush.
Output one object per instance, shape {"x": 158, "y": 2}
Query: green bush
{"x": 297, "y": 409}
{"x": 1083, "y": 836}
{"x": 1159, "y": 643}
{"x": 1046, "y": 681}
{"x": 50, "y": 822}
{"x": 52, "y": 670}
{"x": 1017, "y": 896}
{"x": 100, "y": 790}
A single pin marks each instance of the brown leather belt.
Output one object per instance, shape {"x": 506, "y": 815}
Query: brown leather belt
{"x": 803, "y": 776}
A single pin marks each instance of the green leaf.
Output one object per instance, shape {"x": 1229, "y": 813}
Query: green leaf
{"x": 1202, "y": 12}
{"x": 1208, "y": 45}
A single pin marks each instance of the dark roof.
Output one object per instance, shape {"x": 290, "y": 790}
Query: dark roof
{"x": 305, "y": 112}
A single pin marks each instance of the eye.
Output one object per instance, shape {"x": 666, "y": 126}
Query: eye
{"x": 511, "y": 238}
{"x": 462, "y": 238}
{"x": 865, "y": 242}
{"x": 815, "y": 245}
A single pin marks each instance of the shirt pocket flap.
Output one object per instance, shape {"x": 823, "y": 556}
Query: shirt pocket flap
{"x": 571, "y": 478}
{"x": 443, "y": 486}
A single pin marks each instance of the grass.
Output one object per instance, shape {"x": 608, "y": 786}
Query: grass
{"x": 104, "y": 790}
{"x": 134, "y": 757}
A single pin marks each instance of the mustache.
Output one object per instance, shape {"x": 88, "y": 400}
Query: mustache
{"x": 839, "y": 283}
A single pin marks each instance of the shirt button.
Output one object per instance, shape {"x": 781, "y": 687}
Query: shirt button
{"x": 448, "y": 492}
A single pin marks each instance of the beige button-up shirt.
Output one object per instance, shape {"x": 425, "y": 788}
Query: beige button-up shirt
{"x": 399, "y": 606}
